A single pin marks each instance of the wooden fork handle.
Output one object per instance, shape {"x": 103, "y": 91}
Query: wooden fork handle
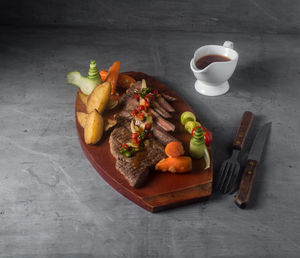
{"x": 243, "y": 195}
{"x": 243, "y": 130}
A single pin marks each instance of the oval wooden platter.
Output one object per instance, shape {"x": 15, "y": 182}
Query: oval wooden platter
{"x": 162, "y": 190}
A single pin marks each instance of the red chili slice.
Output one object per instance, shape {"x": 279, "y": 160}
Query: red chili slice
{"x": 125, "y": 146}
{"x": 134, "y": 112}
{"x": 140, "y": 108}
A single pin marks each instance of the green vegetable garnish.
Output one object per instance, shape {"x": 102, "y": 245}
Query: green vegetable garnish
{"x": 189, "y": 126}
{"x": 187, "y": 116}
{"x": 198, "y": 148}
{"x": 144, "y": 92}
{"x": 88, "y": 84}
{"x": 197, "y": 124}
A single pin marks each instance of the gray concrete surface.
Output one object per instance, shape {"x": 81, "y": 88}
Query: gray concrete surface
{"x": 280, "y": 16}
{"x": 54, "y": 204}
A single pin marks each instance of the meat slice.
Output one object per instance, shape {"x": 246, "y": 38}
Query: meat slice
{"x": 168, "y": 97}
{"x": 136, "y": 87}
{"x": 163, "y": 136}
{"x": 134, "y": 170}
{"x": 131, "y": 104}
{"x": 165, "y": 104}
{"x": 159, "y": 133}
{"x": 159, "y": 109}
{"x": 166, "y": 125}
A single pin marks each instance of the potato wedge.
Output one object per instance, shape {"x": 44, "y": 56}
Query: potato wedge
{"x": 82, "y": 117}
{"x": 83, "y": 97}
{"x": 99, "y": 97}
{"x": 93, "y": 129}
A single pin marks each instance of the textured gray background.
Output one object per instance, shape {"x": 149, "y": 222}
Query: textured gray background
{"x": 54, "y": 204}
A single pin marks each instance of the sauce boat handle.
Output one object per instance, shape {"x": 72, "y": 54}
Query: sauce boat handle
{"x": 228, "y": 44}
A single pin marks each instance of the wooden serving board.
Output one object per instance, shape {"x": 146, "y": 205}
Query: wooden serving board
{"x": 162, "y": 190}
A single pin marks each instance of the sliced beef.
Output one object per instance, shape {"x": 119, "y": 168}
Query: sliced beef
{"x": 135, "y": 171}
{"x": 159, "y": 109}
{"x": 131, "y": 104}
{"x": 163, "y": 136}
{"x": 159, "y": 133}
{"x": 165, "y": 104}
{"x": 168, "y": 97}
{"x": 136, "y": 87}
{"x": 166, "y": 125}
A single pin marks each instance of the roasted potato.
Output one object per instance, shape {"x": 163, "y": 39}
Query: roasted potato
{"x": 99, "y": 98}
{"x": 81, "y": 117}
{"x": 83, "y": 97}
{"x": 94, "y": 127}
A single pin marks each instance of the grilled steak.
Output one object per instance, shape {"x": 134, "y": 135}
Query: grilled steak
{"x": 134, "y": 169}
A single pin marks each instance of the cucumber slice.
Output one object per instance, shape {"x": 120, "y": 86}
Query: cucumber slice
{"x": 197, "y": 124}
{"x": 206, "y": 158}
{"x": 189, "y": 126}
{"x": 86, "y": 85}
{"x": 187, "y": 116}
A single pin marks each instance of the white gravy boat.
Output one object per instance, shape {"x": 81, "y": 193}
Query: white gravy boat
{"x": 213, "y": 79}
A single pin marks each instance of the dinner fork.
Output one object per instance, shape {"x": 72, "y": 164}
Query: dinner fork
{"x": 229, "y": 171}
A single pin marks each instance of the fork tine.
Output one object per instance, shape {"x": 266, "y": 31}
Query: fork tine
{"x": 225, "y": 176}
{"x": 230, "y": 178}
{"x": 221, "y": 174}
{"x": 235, "y": 180}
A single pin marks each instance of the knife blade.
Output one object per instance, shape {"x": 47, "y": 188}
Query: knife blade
{"x": 254, "y": 156}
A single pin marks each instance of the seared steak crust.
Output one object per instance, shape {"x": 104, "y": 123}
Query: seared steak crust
{"x": 135, "y": 171}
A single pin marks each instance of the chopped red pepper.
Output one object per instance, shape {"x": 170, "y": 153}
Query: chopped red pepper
{"x": 134, "y": 135}
{"x": 140, "y": 108}
{"x": 150, "y": 135}
{"x": 142, "y": 115}
{"x": 136, "y": 96}
{"x": 147, "y": 126}
{"x": 125, "y": 146}
{"x": 134, "y": 112}
{"x": 155, "y": 92}
{"x": 147, "y": 104}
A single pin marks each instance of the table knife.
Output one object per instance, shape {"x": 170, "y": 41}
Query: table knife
{"x": 244, "y": 192}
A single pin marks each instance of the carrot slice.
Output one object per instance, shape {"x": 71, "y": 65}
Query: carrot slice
{"x": 174, "y": 149}
{"x": 103, "y": 75}
{"x": 125, "y": 81}
{"x": 180, "y": 164}
{"x": 113, "y": 74}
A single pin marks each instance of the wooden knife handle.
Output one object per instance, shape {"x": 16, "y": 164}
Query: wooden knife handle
{"x": 246, "y": 184}
{"x": 243, "y": 130}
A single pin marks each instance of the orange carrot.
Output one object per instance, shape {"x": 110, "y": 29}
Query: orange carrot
{"x": 180, "y": 164}
{"x": 103, "y": 75}
{"x": 174, "y": 149}
{"x": 125, "y": 81}
{"x": 113, "y": 74}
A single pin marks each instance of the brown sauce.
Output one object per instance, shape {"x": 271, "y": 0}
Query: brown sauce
{"x": 204, "y": 61}
{"x": 139, "y": 156}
